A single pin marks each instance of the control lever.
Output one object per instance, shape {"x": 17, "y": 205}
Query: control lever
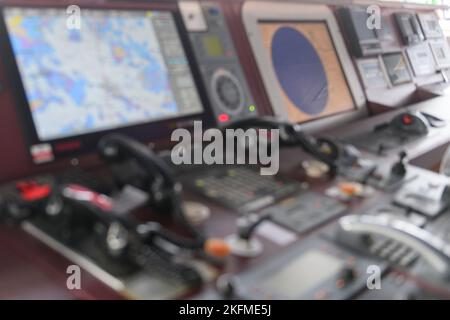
{"x": 101, "y": 208}
{"x": 126, "y": 239}
{"x": 227, "y": 286}
{"x": 398, "y": 170}
{"x": 432, "y": 249}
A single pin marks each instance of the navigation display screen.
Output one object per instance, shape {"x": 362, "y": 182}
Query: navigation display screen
{"x": 308, "y": 70}
{"x": 396, "y": 68}
{"x": 120, "y": 68}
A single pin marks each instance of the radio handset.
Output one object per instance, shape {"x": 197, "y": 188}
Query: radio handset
{"x": 433, "y": 249}
{"x": 118, "y": 148}
{"x": 164, "y": 189}
{"x": 292, "y": 135}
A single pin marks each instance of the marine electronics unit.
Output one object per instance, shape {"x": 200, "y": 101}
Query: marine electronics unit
{"x": 137, "y": 76}
{"x": 430, "y": 25}
{"x": 421, "y": 59}
{"x": 305, "y": 67}
{"x": 363, "y": 40}
{"x": 220, "y": 69}
{"x": 409, "y": 27}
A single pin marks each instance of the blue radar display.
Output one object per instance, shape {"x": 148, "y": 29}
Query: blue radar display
{"x": 299, "y": 70}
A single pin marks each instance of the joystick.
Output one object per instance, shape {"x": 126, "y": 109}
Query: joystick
{"x": 226, "y": 285}
{"x": 398, "y": 170}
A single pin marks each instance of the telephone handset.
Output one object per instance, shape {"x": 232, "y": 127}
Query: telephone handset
{"x": 433, "y": 249}
{"x": 162, "y": 186}
{"x": 291, "y": 134}
{"x": 116, "y": 148}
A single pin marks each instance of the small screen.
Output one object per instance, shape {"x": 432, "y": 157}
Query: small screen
{"x": 302, "y": 275}
{"x": 396, "y": 68}
{"x": 212, "y": 45}
{"x": 309, "y": 73}
{"x": 118, "y": 69}
{"x": 430, "y": 25}
{"x": 372, "y": 73}
{"x": 441, "y": 53}
{"x": 421, "y": 60}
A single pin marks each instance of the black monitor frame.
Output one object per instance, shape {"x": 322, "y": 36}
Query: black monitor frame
{"x": 79, "y": 145}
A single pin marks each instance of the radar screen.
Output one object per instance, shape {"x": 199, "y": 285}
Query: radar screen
{"x": 308, "y": 70}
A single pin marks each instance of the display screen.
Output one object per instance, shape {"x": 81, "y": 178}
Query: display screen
{"x": 396, "y": 68}
{"x": 421, "y": 59}
{"x": 302, "y": 275}
{"x": 212, "y": 45}
{"x": 120, "y": 68}
{"x": 308, "y": 70}
{"x": 441, "y": 52}
{"x": 372, "y": 73}
{"x": 430, "y": 25}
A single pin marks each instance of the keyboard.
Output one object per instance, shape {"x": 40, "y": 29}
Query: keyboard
{"x": 305, "y": 211}
{"x": 241, "y": 188}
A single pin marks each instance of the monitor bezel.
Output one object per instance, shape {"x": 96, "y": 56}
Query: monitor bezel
{"x": 423, "y": 18}
{"x": 253, "y": 14}
{"x": 86, "y": 143}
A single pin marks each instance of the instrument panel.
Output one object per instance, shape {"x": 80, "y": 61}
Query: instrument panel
{"x": 90, "y": 174}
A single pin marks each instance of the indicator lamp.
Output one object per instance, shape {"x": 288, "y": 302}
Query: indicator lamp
{"x": 223, "y": 117}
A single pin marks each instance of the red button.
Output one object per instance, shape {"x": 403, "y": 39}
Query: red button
{"x": 224, "y": 117}
{"x": 407, "y": 119}
{"x": 31, "y": 191}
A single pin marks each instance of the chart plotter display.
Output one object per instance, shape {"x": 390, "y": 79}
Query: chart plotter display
{"x": 308, "y": 70}
{"x": 120, "y": 68}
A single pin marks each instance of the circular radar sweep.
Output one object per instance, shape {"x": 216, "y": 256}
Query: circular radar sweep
{"x": 299, "y": 70}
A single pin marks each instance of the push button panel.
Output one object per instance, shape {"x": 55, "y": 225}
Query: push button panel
{"x": 222, "y": 75}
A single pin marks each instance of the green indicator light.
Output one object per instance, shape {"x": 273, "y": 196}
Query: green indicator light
{"x": 252, "y": 108}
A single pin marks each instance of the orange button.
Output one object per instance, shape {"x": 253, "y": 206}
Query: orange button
{"x": 217, "y": 248}
{"x": 348, "y": 188}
